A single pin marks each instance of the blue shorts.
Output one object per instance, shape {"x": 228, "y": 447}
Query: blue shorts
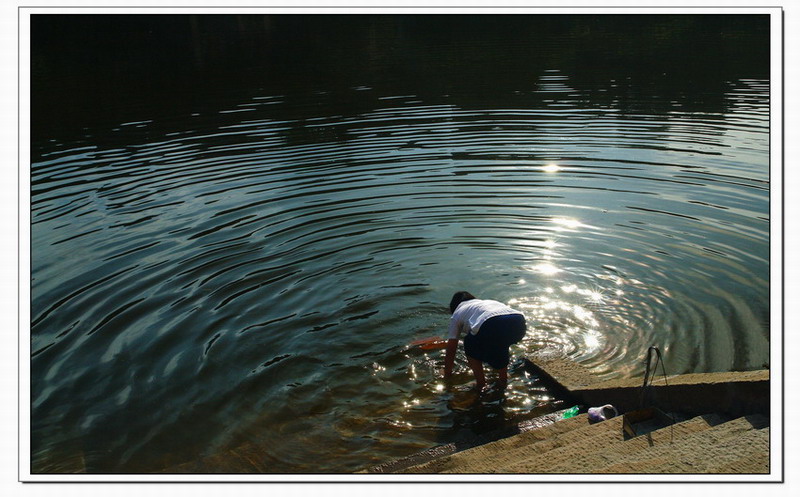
{"x": 496, "y": 334}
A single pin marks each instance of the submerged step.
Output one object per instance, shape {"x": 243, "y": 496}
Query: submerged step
{"x": 247, "y": 458}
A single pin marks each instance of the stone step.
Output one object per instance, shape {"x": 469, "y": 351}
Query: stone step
{"x": 707, "y": 444}
{"x": 495, "y": 458}
{"x": 704, "y": 459}
{"x": 540, "y": 439}
{"x": 607, "y": 437}
{"x": 715, "y": 458}
{"x": 533, "y": 423}
{"x": 747, "y": 460}
{"x": 588, "y": 461}
{"x": 691, "y": 453}
{"x": 588, "y": 440}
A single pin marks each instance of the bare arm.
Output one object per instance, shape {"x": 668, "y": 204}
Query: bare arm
{"x": 450, "y": 356}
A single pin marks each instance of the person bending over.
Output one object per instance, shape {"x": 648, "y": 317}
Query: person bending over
{"x": 489, "y": 328}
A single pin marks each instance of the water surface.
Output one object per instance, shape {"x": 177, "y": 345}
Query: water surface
{"x": 236, "y": 253}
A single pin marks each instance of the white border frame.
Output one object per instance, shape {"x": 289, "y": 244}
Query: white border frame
{"x": 776, "y": 245}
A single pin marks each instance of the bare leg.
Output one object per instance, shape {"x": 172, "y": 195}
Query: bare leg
{"x": 477, "y": 369}
{"x": 503, "y": 377}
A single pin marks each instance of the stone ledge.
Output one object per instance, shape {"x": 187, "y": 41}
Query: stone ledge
{"x": 732, "y": 393}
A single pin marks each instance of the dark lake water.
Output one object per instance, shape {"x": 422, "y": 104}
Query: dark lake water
{"x": 239, "y": 222}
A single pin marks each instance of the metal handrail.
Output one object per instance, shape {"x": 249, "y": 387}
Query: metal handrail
{"x": 648, "y": 381}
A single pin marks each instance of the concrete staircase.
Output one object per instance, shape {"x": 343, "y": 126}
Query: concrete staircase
{"x": 701, "y": 445}
{"x": 736, "y": 440}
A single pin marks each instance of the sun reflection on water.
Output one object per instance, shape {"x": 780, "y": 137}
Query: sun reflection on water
{"x": 546, "y": 269}
{"x": 563, "y": 319}
{"x": 569, "y": 313}
{"x": 565, "y": 223}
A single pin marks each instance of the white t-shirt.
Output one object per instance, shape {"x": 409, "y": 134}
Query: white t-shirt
{"x": 470, "y": 315}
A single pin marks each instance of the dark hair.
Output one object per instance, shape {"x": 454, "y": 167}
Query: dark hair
{"x": 459, "y": 297}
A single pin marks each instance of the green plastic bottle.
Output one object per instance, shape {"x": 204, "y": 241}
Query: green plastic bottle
{"x": 571, "y": 412}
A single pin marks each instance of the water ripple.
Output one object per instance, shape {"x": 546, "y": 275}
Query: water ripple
{"x": 268, "y": 266}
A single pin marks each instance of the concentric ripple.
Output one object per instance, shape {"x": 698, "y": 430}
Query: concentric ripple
{"x": 250, "y": 277}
